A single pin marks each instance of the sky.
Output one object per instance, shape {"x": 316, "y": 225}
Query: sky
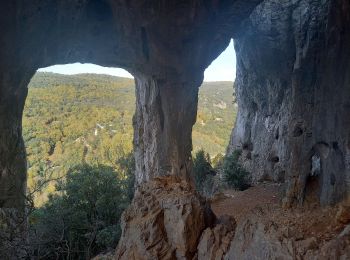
{"x": 221, "y": 69}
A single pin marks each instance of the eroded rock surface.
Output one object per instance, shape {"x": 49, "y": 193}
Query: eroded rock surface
{"x": 215, "y": 242}
{"x": 271, "y": 233}
{"x": 292, "y": 85}
{"x": 165, "y": 221}
{"x": 168, "y": 220}
{"x": 165, "y": 113}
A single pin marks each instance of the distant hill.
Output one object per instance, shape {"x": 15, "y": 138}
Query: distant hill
{"x": 88, "y": 118}
{"x": 215, "y": 118}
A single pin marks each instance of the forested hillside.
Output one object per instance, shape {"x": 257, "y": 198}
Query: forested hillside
{"x": 87, "y": 118}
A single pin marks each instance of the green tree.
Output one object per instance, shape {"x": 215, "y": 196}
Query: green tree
{"x": 233, "y": 172}
{"x": 127, "y": 168}
{"x": 203, "y": 172}
{"x": 218, "y": 162}
{"x": 82, "y": 219}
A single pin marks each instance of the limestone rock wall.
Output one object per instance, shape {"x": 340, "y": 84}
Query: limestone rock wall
{"x": 164, "y": 221}
{"x": 165, "y": 114}
{"x": 293, "y": 90}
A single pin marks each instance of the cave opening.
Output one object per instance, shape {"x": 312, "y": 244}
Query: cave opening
{"x": 216, "y": 115}
{"x": 78, "y": 133}
{"x": 312, "y": 190}
{"x": 217, "y": 108}
{"x": 75, "y": 114}
{"x": 78, "y": 120}
{"x": 56, "y": 135}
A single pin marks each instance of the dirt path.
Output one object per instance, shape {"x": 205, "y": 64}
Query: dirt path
{"x": 320, "y": 223}
{"x": 239, "y": 203}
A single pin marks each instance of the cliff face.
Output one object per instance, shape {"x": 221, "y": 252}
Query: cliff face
{"x": 292, "y": 87}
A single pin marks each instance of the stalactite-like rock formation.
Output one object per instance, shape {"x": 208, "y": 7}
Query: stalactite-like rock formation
{"x": 292, "y": 86}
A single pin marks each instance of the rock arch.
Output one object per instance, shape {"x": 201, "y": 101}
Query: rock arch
{"x": 292, "y": 82}
{"x": 166, "y": 45}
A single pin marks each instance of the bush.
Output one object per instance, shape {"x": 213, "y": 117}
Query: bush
{"x": 233, "y": 172}
{"x": 218, "y": 161}
{"x": 82, "y": 219}
{"x": 203, "y": 173}
{"x": 127, "y": 168}
{"x": 208, "y": 188}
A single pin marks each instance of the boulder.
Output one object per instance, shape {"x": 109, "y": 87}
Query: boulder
{"x": 165, "y": 221}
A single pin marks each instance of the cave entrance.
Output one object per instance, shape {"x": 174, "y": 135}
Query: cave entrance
{"x": 75, "y": 114}
{"x": 78, "y": 133}
{"x": 217, "y": 107}
{"x": 216, "y": 115}
{"x": 312, "y": 191}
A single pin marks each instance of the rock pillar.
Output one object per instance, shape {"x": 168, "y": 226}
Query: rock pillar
{"x": 12, "y": 169}
{"x": 165, "y": 113}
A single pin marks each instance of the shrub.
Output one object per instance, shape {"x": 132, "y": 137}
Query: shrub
{"x": 208, "y": 187}
{"x": 233, "y": 172}
{"x": 82, "y": 218}
{"x": 127, "y": 169}
{"x": 218, "y": 161}
{"x": 203, "y": 173}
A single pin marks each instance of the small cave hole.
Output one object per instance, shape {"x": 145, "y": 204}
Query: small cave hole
{"x": 247, "y": 146}
{"x": 297, "y": 131}
{"x": 335, "y": 145}
{"x": 254, "y": 107}
{"x": 281, "y": 177}
{"x": 311, "y": 193}
{"x": 332, "y": 179}
{"x": 312, "y": 183}
{"x": 277, "y": 133}
{"x": 249, "y": 155}
{"x": 274, "y": 159}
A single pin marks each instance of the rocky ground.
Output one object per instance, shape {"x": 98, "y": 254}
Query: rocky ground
{"x": 308, "y": 232}
{"x": 168, "y": 220}
{"x": 239, "y": 203}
